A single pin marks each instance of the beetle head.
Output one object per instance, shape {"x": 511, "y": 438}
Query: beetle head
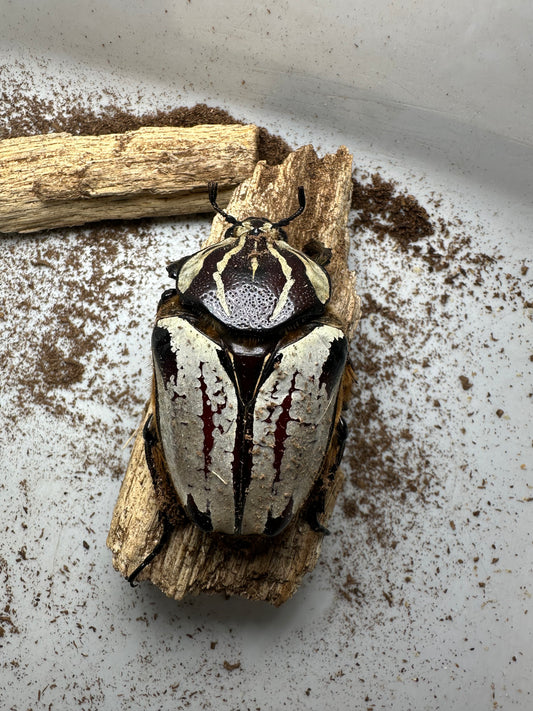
{"x": 255, "y": 225}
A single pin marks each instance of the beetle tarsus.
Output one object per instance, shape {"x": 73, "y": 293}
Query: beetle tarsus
{"x": 150, "y": 439}
{"x": 316, "y": 508}
{"x": 167, "y": 528}
{"x": 342, "y": 435}
{"x": 316, "y": 526}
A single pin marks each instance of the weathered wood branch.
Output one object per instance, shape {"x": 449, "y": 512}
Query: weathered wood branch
{"x": 60, "y": 180}
{"x": 270, "y": 569}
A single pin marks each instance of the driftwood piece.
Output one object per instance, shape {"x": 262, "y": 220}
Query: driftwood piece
{"x": 195, "y": 562}
{"x": 60, "y": 180}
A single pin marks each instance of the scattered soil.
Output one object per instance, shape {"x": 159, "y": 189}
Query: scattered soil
{"x": 31, "y": 116}
{"x": 402, "y": 337}
{"x": 89, "y": 293}
{"x": 390, "y": 465}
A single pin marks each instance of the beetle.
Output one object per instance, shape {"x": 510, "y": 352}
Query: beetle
{"x": 247, "y": 390}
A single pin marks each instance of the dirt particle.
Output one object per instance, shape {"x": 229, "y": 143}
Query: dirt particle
{"x": 466, "y": 384}
{"x": 231, "y": 667}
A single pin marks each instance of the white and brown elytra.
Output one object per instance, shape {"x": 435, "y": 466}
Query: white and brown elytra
{"x": 247, "y": 373}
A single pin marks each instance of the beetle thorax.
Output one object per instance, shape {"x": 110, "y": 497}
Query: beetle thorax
{"x": 253, "y": 280}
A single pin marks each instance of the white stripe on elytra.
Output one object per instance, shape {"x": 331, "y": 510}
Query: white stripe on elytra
{"x": 217, "y": 276}
{"x": 219, "y": 477}
{"x": 287, "y": 272}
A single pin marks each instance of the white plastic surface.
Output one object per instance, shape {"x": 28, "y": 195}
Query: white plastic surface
{"x": 437, "y": 96}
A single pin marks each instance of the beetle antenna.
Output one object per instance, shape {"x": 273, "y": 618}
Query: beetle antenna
{"x": 301, "y": 200}
{"x": 212, "y": 188}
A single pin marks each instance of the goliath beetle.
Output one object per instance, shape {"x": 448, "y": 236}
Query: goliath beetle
{"x": 246, "y": 394}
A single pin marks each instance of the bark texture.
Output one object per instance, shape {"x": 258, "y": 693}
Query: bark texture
{"x": 61, "y": 180}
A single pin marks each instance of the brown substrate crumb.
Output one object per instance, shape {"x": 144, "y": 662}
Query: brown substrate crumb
{"x": 31, "y": 116}
{"x": 466, "y": 384}
{"x": 387, "y": 212}
{"x": 7, "y": 613}
{"x": 231, "y": 667}
{"x": 73, "y": 329}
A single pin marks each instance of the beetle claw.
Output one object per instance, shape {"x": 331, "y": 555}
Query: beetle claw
{"x": 317, "y": 527}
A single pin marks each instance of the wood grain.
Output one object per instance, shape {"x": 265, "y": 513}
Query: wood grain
{"x": 268, "y": 569}
{"x": 61, "y": 180}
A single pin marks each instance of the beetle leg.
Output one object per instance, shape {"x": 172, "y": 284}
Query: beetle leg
{"x": 167, "y": 529}
{"x": 317, "y": 505}
{"x": 167, "y": 499}
{"x": 165, "y": 296}
{"x": 317, "y": 500}
{"x": 150, "y": 441}
{"x": 315, "y": 524}
{"x": 342, "y": 435}
{"x": 317, "y": 252}
{"x": 173, "y": 269}
{"x": 169, "y": 513}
